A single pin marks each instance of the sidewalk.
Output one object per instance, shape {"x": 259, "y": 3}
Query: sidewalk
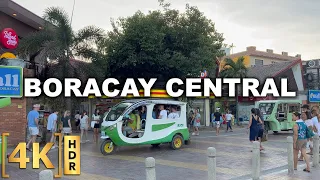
{"x": 298, "y": 175}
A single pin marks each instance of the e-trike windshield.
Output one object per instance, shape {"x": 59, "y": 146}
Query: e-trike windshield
{"x": 117, "y": 110}
{"x": 266, "y": 108}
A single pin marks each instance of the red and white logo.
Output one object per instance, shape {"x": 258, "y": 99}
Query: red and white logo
{"x": 9, "y": 38}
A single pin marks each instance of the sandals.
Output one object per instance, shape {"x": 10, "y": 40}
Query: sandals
{"x": 300, "y": 159}
{"x": 306, "y": 170}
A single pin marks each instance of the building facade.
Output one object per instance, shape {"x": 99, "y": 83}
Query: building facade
{"x": 16, "y": 22}
{"x": 253, "y": 57}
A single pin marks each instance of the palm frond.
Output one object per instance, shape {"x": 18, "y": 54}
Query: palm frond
{"x": 34, "y": 42}
{"x": 229, "y": 63}
{"x": 89, "y": 33}
{"x": 56, "y": 16}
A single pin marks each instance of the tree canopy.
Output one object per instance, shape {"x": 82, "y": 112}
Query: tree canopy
{"x": 163, "y": 43}
{"x": 58, "y": 44}
{"x": 234, "y": 69}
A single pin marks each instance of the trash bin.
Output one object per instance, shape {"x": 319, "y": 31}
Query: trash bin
{"x": 3, "y": 143}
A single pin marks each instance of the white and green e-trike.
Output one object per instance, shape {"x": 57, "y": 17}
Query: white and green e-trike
{"x": 146, "y": 128}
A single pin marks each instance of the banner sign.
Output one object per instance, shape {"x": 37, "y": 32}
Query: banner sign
{"x": 9, "y": 38}
{"x": 11, "y": 81}
{"x": 314, "y": 96}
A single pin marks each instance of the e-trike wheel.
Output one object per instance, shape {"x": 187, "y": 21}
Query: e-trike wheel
{"x": 177, "y": 142}
{"x": 107, "y": 147}
{"x": 187, "y": 142}
{"x": 155, "y": 145}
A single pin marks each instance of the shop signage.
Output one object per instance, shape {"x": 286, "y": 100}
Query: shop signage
{"x": 11, "y": 81}
{"x": 8, "y": 55}
{"x": 313, "y": 63}
{"x": 9, "y": 38}
{"x": 314, "y": 96}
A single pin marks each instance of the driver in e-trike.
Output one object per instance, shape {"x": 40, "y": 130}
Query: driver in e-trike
{"x": 129, "y": 124}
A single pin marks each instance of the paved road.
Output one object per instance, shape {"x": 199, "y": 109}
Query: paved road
{"x": 188, "y": 163}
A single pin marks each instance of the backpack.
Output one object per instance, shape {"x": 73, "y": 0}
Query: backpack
{"x": 309, "y": 133}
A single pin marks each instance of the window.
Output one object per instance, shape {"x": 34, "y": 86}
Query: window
{"x": 166, "y": 111}
{"x": 258, "y": 62}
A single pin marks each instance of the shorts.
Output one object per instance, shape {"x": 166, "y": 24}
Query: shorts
{"x": 96, "y": 126}
{"x": 84, "y": 126}
{"x": 217, "y": 124}
{"x": 66, "y": 130}
{"x": 33, "y": 131}
{"x": 301, "y": 144}
{"x": 196, "y": 124}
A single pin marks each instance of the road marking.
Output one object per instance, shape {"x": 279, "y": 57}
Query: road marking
{"x": 217, "y": 136}
{"x": 238, "y": 145}
{"x": 281, "y": 141}
{"x": 235, "y": 155}
{"x": 82, "y": 176}
{"x": 200, "y": 167}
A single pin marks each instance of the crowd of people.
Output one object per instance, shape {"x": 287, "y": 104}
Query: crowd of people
{"x": 217, "y": 118}
{"x": 64, "y": 125}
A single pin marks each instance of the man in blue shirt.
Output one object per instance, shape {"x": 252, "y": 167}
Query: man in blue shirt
{"x": 52, "y": 126}
{"x": 33, "y": 120}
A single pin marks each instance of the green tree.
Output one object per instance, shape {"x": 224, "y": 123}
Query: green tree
{"x": 57, "y": 44}
{"x": 234, "y": 69}
{"x": 163, "y": 43}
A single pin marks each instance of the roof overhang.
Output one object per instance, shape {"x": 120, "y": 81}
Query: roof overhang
{"x": 9, "y": 7}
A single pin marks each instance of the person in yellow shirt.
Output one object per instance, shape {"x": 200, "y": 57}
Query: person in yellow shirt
{"x": 132, "y": 124}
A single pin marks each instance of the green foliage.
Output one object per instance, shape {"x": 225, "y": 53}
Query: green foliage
{"x": 163, "y": 43}
{"x": 58, "y": 44}
{"x": 233, "y": 69}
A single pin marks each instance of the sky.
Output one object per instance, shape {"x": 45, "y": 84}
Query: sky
{"x": 291, "y": 26}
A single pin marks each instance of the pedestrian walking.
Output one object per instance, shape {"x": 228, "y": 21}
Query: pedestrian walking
{"x": 307, "y": 117}
{"x": 217, "y": 118}
{"x": 253, "y": 125}
{"x": 300, "y": 140}
{"x": 52, "y": 127}
{"x": 66, "y": 123}
{"x": 95, "y": 124}
{"x": 77, "y": 118}
{"x": 84, "y": 124}
{"x": 229, "y": 118}
{"x": 33, "y": 125}
{"x": 196, "y": 123}
{"x": 190, "y": 120}
{"x": 260, "y": 127}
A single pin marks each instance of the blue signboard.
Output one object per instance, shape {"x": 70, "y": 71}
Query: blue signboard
{"x": 11, "y": 81}
{"x": 314, "y": 95}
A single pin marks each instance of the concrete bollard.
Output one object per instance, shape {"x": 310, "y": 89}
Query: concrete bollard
{"x": 150, "y": 168}
{"x": 256, "y": 161}
{"x": 46, "y": 175}
{"x": 315, "y": 152}
{"x": 211, "y": 163}
{"x": 290, "y": 155}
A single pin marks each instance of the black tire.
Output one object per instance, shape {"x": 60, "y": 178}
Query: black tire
{"x": 187, "y": 142}
{"x": 105, "y": 143}
{"x": 155, "y": 145}
{"x": 177, "y": 142}
{"x": 276, "y": 132}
